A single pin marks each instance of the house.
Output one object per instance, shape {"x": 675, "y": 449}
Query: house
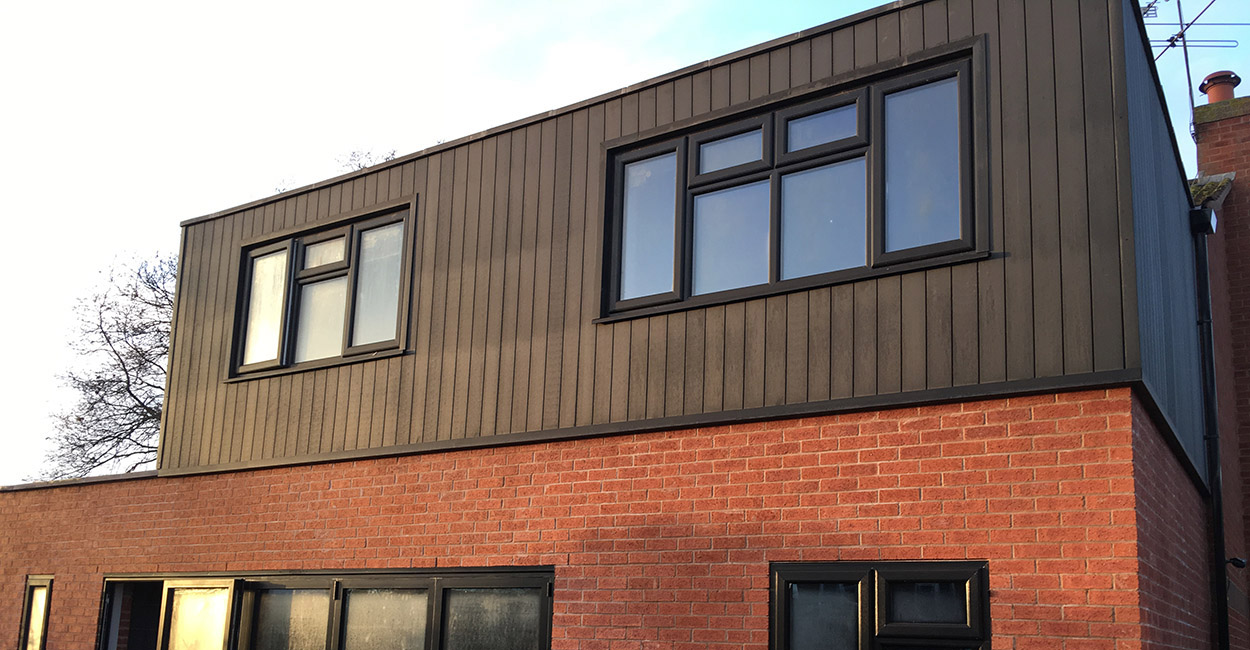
{"x": 879, "y": 335}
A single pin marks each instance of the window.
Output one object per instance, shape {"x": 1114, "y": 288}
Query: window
{"x": 34, "y": 630}
{"x": 468, "y": 610}
{"x": 871, "y": 180}
{"x": 324, "y": 295}
{"x": 881, "y": 606}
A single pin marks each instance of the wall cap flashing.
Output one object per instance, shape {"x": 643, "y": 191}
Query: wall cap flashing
{"x": 1219, "y": 111}
{"x": 72, "y": 482}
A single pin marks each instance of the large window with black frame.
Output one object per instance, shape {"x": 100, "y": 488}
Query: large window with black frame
{"x": 323, "y": 295}
{"x": 880, "y": 606}
{"x": 812, "y": 190}
{"x": 506, "y": 609}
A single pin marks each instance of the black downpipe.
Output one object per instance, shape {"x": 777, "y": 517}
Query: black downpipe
{"x": 1202, "y": 223}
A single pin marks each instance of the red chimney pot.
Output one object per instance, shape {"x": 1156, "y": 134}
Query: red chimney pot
{"x": 1218, "y": 86}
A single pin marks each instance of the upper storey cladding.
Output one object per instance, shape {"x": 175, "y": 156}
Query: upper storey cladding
{"x": 515, "y": 285}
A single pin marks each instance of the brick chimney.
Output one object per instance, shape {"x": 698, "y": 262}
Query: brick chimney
{"x": 1222, "y": 127}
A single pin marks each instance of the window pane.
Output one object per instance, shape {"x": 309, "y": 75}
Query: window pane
{"x": 294, "y": 619}
{"x": 731, "y": 238}
{"x": 321, "y": 253}
{"x": 734, "y": 150}
{"x": 37, "y": 604}
{"x": 493, "y": 619}
{"x": 198, "y": 619}
{"x": 823, "y": 219}
{"x": 824, "y": 616}
{"x": 384, "y": 618}
{"x": 321, "y": 308}
{"x": 648, "y": 227}
{"x": 264, "y": 308}
{"x": 922, "y": 165}
{"x": 821, "y": 128}
{"x": 928, "y": 602}
{"x": 377, "y": 284}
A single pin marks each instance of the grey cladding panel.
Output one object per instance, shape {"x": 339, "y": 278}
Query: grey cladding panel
{"x": 507, "y": 268}
{"x": 1166, "y": 295}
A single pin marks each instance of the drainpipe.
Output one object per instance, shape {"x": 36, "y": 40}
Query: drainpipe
{"x": 1202, "y": 223}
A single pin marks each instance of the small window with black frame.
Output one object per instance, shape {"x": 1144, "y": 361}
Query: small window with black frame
{"x": 813, "y": 190}
{"x": 323, "y": 296}
{"x": 36, "y": 603}
{"x": 880, "y": 606}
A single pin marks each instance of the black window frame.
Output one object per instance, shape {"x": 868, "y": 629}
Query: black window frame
{"x": 294, "y": 243}
{"x": 33, "y": 582}
{"x": 963, "y": 61}
{"x": 245, "y": 587}
{"x": 873, "y": 580}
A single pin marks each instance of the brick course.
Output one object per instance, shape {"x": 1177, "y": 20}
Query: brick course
{"x": 1224, "y": 146}
{"x": 663, "y": 540}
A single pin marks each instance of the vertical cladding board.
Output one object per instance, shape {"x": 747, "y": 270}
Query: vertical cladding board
{"x": 508, "y": 249}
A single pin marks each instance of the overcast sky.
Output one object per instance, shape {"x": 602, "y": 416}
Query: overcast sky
{"x": 118, "y": 120}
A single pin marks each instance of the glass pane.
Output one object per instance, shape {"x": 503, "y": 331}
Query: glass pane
{"x": 734, "y": 150}
{"x": 821, "y": 128}
{"x": 321, "y": 308}
{"x": 377, "y": 284}
{"x": 922, "y": 165}
{"x": 385, "y": 618}
{"x": 824, "y": 616}
{"x": 928, "y": 602}
{"x": 648, "y": 227}
{"x": 264, "y": 308}
{"x": 198, "y": 618}
{"x": 823, "y": 219}
{"x": 731, "y": 238}
{"x": 37, "y": 604}
{"x": 321, "y": 253}
{"x": 294, "y": 619}
{"x": 493, "y": 619}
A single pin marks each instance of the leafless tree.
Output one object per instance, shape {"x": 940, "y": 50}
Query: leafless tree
{"x": 361, "y": 159}
{"x": 122, "y": 346}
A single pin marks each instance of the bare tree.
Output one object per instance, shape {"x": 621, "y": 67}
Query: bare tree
{"x": 123, "y": 345}
{"x": 361, "y": 159}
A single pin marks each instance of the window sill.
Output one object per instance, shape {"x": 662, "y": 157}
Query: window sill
{"x": 332, "y": 362}
{"x": 791, "y": 286}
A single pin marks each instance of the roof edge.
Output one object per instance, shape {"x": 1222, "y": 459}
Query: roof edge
{"x": 780, "y": 41}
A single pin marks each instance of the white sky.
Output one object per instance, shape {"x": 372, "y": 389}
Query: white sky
{"x": 120, "y": 119}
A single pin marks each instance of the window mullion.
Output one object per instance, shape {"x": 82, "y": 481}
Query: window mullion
{"x": 774, "y": 227}
{"x": 349, "y": 315}
{"x": 434, "y": 629}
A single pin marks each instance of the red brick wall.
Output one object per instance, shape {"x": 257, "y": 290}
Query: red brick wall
{"x": 1174, "y": 546}
{"x": 1224, "y": 146}
{"x": 659, "y": 540}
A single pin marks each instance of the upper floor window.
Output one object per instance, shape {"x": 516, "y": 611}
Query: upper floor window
{"x": 811, "y": 193}
{"x": 329, "y": 294}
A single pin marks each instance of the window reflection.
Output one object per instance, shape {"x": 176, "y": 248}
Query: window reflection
{"x": 648, "y": 227}
{"x": 922, "y": 165}
{"x": 197, "y": 618}
{"x": 731, "y": 151}
{"x": 731, "y": 238}
{"x": 264, "y": 312}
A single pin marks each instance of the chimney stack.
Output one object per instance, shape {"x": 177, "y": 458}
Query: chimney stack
{"x": 1218, "y": 86}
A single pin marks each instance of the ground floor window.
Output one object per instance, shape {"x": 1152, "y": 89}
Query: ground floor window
{"x": 880, "y": 606}
{"x": 34, "y": 630}
{"x": 464, "y": 610}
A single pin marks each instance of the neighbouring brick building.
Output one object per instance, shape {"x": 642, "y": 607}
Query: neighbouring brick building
{"x": 880, "y": 335}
